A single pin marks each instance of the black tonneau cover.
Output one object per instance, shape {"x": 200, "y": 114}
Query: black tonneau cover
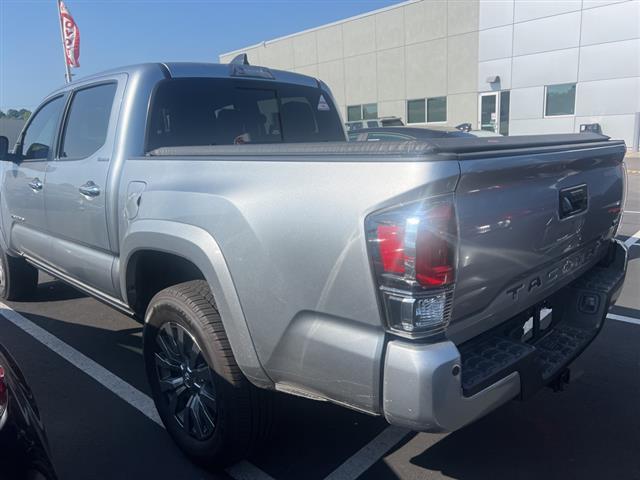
{"x": 484, "y": 144}
{"x": 422, "y": 150}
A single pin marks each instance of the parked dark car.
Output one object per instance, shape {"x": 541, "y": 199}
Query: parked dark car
{"x": 399, "y": 134}
{"x": 24, "y": 449}
{"x": 373, "y": 123}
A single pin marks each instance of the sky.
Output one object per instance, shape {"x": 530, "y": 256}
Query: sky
{"x": 122, "y": 32}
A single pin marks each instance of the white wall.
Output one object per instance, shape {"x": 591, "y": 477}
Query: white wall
{"x": 595, "y": 44}
{"x": 417, "y": 49}
{"x": 421, "y": 49}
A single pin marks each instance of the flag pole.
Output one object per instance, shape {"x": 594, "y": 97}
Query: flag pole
{"x": 67, "y": 75}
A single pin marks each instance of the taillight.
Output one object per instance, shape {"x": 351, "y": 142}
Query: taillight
{"x": 4, "y": 395}
{"x": 413, "y": 251}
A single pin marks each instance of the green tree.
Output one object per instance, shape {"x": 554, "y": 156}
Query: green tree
{"x": 2, "y": 114}
{"x": 22, "y": 114}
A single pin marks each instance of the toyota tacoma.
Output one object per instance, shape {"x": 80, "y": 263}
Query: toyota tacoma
{"x": 428, "y": 282}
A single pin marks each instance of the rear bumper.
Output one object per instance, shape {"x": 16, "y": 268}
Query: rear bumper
{"x": 442, "y": 387}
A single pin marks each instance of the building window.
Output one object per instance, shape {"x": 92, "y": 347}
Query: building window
{"x": 560, "y": 100}
{"x": 505, "y": 100}
{"x": 367, "y": 111}
{"x": 436, "y": 109}
{"x": 416, "y": 111}
{"x": 354, "y": 112}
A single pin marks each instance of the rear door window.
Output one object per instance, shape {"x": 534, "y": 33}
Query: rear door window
{"x": 87, "y": 122}
{"x": 212, "y": 111}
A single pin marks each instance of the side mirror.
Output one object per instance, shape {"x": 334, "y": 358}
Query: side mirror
{"x": 4, "y": 148}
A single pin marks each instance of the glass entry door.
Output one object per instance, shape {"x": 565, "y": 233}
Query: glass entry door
{"x": 494, "y": 112}
{"x": 489, "y": 112}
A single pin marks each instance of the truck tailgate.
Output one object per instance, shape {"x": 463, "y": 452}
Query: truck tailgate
{"x": 530, "y": 221}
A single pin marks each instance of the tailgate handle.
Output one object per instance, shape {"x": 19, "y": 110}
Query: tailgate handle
{"x": 573, "y": 200}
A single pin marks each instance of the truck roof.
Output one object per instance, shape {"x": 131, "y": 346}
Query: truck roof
{"x": 191, "y": 69}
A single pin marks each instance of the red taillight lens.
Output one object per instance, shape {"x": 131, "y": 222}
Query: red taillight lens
{"x": 435, "y": 254}
{"x": 421, "y": 246}
{"x": 413, "y": 250}
{"x": 391, "y": 238}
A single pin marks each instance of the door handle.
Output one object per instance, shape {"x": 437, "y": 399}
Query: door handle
{"x": 89, "y": 189}
{"x": 573, "y": 200}
{"x": 35, "y": 184}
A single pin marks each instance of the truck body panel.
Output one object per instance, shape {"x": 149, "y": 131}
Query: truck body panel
{"x": 300, "y": 268}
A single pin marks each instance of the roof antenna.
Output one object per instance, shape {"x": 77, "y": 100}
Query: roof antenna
{"x": 241, "y": 59}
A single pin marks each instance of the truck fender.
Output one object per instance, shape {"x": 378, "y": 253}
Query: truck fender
{"x": 200, "y": 248}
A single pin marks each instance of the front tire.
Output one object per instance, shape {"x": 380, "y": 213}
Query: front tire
{"x": 210, "y": 409}
{"x": 18, "y": 279}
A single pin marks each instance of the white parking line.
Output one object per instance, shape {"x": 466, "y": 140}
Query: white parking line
{"x": 364, "y": 458}
{"x": 122, "y": 389}
{"x": 630, "y": 211}
{"x": 134, "y": 397}
{"x": 632, "y": 239}
{"x": 622, "y": 318}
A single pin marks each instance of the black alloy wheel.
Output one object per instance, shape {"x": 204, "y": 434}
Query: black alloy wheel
{"x": 185, "y": 381}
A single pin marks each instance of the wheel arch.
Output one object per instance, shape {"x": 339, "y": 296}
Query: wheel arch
{"x": 197, "y": 247}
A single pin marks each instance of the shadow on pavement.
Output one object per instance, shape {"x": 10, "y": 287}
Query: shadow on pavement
{"x": 55, "y": 291}
{"x": 119, "y": 351}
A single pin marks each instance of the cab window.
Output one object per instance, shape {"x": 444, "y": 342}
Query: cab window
{"x": 215, "y": 111}
{"x": 39, "y": 136}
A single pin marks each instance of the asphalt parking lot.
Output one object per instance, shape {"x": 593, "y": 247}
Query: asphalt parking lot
{"x": 84, "y": 363}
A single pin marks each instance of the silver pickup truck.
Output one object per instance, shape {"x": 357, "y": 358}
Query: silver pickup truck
{"x": 426, "y": 282}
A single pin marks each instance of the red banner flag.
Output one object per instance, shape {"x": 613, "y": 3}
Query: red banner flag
{"x": 70, "y": 37}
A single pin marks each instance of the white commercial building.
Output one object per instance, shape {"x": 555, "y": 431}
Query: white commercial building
{"x": 514, "y": 66}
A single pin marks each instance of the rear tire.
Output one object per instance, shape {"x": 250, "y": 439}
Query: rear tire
{"x": 18, "y": 279}
{"x": 207, "y": 405}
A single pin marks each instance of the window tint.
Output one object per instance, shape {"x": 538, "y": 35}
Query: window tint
{"x": 416, "y": 111}
{"x": 87, "y": 121}
{"x": 205, "y": 111}
{"x": 561, "y": 99}
{"x": 354, "y": 112}
{"x": 39, "y": 137}
{"x": 437, "y": 109}
{"x": 369, "y": 111}
{"x": 372, "y": 123}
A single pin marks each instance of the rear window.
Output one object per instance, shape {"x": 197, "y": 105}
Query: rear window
{"x": 221, "y": 111}
{"x": 392, "y": 122}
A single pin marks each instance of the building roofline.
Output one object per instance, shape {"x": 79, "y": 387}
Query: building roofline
{"x": 320, "y": 27}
